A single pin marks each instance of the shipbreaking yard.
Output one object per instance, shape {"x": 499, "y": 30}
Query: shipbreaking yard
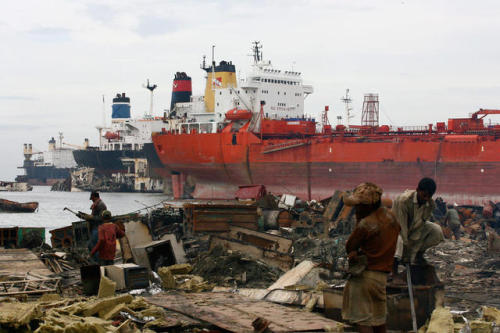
{"x": 260, "y": 263}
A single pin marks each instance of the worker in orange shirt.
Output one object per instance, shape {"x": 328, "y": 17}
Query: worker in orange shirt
{"x": 108, "y": 232}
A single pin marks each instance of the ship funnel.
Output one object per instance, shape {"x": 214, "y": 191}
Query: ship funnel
{"x": 221, "y": 76}
{"x": 120, "y": 107}
{"x": 181, "y": 89}
{"x": 52, "y": 144}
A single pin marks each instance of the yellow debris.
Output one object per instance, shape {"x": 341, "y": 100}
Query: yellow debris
{"x": 167, "y": 278}
{"x": 441, "y": 321}
{"x": 491, "y": 314}
{"x": 180, "y": 269}
{"x": 50, "y": 298}
{"x": 478, "y": 326}
{"x": 107, "y": 288}
{"x": 94, "y": 307}
{"x": 15, "y": 314}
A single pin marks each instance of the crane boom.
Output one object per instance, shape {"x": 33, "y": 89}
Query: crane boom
{"x": 484, "y": 112}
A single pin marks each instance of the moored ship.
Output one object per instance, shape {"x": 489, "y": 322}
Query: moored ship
{"x": 47, "y": 167}
{"x": 258, "y": 134}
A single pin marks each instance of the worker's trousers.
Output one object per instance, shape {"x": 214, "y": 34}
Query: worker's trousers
{"x": 431, "y": 235}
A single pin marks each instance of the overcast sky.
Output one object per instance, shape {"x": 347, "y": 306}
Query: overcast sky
{"x": 428, "y": 60}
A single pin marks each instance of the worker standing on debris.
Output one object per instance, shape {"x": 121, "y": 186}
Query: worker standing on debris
{"x": 106, "y": 245}
{"x": 413, "y": 210}
{"x": 95, "y": 218}
{"x": 452, "y": 220}
{"x": 370, "y": 249}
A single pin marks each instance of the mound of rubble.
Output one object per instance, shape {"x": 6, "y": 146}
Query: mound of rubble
{"x": 228, "y": 268}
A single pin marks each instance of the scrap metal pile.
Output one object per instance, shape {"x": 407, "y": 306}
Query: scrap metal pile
{"x": 244, "y": 265}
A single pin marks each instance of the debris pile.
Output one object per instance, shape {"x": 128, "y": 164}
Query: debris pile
{"x": 469, "y": 272}
{"x": 230, "y": 268}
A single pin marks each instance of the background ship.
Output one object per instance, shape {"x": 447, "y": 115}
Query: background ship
{"x": 125, "y": 153}
{"x": 47, "y": 167}
{"x": 265, "y": 138}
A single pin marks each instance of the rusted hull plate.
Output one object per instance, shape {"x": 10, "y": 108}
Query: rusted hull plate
{"x": 283, "y": 261}
{"x": 236, "y": 313}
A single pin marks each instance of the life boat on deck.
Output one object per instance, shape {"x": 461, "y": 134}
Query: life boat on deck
{"x": 112, "y": 135}
{"x": 238, "y": 114}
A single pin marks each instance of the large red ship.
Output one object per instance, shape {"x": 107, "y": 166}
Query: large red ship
{"x": 269, "y": 141}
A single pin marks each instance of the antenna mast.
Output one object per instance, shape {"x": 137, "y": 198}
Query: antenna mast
{"x": 257, "y": 51}
{"x": 347, "y": 101}
{"x": 151, "y": 88}
{"x": 213, "y": 68}
{"x": 103, "y": 112}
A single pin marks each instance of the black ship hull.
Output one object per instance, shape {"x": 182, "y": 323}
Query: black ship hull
{"x": 43, "y": 175}
{"x": 105, "y": 161}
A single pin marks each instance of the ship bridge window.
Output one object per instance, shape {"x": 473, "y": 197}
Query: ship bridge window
{"x": 127, "y": 146}
{"x": 117, "y": 146}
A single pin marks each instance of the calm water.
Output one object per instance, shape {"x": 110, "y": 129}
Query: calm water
{"x": 50, "y": 213}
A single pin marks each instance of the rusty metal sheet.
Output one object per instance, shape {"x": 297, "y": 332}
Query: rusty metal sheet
{"x": 334, "y": 206}
{"x": 260, "y": 239}
{"x": 235, "y": 313}
{"x": 218, "y": 217}
{"x": 283, "y": 261}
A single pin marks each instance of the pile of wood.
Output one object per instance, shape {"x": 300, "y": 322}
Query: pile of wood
{"x": 55, "y": 261}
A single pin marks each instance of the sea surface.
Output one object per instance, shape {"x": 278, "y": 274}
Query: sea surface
{"x": 50, "y": 213}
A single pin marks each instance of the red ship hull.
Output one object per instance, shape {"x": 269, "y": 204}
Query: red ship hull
{"x": 465, "y": 167}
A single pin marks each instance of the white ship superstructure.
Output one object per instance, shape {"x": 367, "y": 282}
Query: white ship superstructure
{"x": 283, "y": 92}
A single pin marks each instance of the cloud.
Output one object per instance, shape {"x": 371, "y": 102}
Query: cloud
{"x": 154, "y": 25}
{"x": 50, "y": 34}
{"x": 100, "y": 13}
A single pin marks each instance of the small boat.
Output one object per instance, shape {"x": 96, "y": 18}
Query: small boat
{"x": 13, "y": 206}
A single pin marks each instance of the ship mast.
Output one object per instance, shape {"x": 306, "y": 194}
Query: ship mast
{"x": 151, "y": 88}
{"x": 347, "y": 101}
{"x": 61, "y": 137}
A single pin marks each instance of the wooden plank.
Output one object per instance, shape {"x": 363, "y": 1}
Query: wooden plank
{"x": 235, "y": 313}
{"x": 293, "y": 276}
{"x": 18, "y": 262}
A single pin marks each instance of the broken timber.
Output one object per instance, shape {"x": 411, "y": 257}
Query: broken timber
{"x": 34, "y": 286}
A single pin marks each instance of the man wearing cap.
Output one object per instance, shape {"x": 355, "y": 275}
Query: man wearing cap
{"x": 413, "y": 209}
{"x": 95, "y": 218}
{"x": 372, "y": 242}
{"x": 106, "y": 245}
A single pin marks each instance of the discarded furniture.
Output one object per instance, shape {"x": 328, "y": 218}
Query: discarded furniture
{"x": 128, "y": 276}
{"x": 18, "y": 207}
{"x": 165, "y": 252}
